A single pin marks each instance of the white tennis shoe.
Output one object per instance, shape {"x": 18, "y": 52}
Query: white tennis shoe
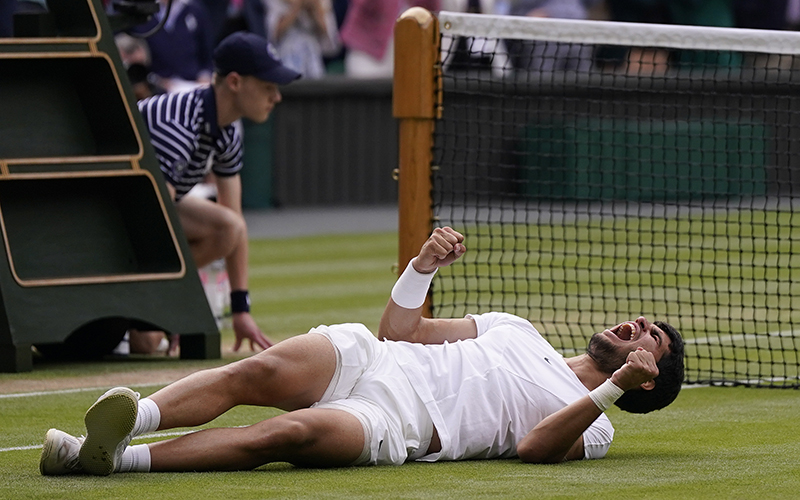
{"x": 60, "y": 454}
{"x": 109, "y": 423}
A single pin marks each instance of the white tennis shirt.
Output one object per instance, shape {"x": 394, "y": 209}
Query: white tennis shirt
{"x": 485, "y": 394}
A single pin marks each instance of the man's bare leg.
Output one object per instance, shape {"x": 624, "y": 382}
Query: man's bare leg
{"x": 213, "y": 231}
{"x": 292, "y": 374}
{"x": 307, "y": 437}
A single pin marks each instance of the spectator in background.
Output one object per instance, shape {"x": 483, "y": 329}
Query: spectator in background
{"x": 303, "y": 32}
{"x": 219, "y": 12}
{"x": 181, "y": 50}
{"x": 241, "y": 15}
{"x": 368, "y": 35}
{"x": 644, "y": 61}
{"x": 474, "y": 53}
{"x": 135, "y": 57}
{"x": 793, "y": 14}
{"x": 718, "y": 13}
{"x": 636, "y": 60}
{"x": 334, "y": 63}
{"x": 550, "y": 56}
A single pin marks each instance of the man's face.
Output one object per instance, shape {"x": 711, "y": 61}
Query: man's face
{"x": 610, "y": 348}
{"x": 257, "y": 98}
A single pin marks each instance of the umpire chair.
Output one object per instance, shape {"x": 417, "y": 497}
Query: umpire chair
{"x": 91, "y": 243}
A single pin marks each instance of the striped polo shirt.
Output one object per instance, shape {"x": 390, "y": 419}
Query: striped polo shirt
{"x": 187, "y": 139}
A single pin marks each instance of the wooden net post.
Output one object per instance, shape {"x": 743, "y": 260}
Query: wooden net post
{"x": 416, "y": 105}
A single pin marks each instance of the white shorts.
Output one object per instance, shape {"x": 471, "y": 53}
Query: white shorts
{"x": 371, "y": 386}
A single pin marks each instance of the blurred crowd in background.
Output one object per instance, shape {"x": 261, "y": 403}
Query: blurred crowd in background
{"x": 355, "y": 37}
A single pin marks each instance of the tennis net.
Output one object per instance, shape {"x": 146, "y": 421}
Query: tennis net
{"x": 601, "y": 171}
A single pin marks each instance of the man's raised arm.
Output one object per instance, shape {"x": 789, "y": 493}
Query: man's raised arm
{"x": 559, "y": 437}
{"x": 402, "y": 319}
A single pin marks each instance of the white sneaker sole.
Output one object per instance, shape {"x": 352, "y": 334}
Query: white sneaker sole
{"x": 108, "y": 422}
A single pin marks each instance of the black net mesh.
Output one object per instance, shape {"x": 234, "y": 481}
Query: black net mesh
{"x": 595, "y": 184}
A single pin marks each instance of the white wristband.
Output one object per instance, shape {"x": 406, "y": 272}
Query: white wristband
{"x": 411, "y": 289}
{"x": 605, "y": 395}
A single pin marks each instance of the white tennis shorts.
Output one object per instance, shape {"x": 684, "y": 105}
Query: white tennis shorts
{"x": 371, "y": 386}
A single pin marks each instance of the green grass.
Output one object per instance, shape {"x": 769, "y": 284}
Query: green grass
{"x": 711, "y": 443}
{"x": 300, "y": 283}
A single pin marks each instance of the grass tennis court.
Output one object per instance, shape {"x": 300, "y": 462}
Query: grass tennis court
{"x": 711, "y": 443}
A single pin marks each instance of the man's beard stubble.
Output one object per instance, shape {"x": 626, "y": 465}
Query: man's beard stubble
{"x": 609, "y": 357}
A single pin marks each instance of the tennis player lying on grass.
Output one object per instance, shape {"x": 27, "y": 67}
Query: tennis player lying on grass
{"x": 484, "y": 386}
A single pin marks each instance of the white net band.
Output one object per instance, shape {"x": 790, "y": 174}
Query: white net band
{"x": 616, "y": 33}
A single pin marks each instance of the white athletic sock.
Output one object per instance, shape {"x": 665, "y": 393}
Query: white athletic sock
{"x": 135, "y": 458}
{"x": 148, "y": 418}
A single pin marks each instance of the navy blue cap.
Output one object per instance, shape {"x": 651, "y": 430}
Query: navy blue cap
{"x": 251, "y": 55}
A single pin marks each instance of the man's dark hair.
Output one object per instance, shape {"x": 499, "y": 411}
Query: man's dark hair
{"x": 667, "y": 383}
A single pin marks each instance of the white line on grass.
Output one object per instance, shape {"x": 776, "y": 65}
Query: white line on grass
{"x": 70, "y": 391}
{"x": 87, "y": 389}
{"x": 21, "y": 448}
{"x": 145, "y": 436}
